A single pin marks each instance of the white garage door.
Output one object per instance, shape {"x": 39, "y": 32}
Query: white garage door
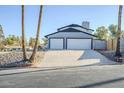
{"x": 56, "y": 43}
{"x": 78, "y": 43}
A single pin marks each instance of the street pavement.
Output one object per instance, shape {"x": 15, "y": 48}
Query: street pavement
{"x": 105, "y": 76}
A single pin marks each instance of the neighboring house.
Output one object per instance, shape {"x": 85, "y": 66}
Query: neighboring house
{"x": 73, "y": 37}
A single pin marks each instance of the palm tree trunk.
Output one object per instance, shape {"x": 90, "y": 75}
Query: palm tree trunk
{"x": 37, "y": 36}
{"x": 112, "y": 44}
{"x": 23, "y": 35}
{"x": 118, "y": 53}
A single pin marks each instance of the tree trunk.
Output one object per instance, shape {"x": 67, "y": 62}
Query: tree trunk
{"x": 112, "y": 44}
{"x": 37, "y": 36}
{"x": 118, "y": 53}
{"x": 23, "y": 35}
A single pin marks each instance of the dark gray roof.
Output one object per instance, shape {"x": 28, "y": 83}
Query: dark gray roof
{"x": 70, "y": 30}
{"x": 74, "y": 25}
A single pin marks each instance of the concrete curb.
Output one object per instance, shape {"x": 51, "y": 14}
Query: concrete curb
{"x": 17, "y": 70}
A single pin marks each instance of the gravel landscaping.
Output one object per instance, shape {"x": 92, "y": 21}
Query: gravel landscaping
{"x": 14, "y": 59}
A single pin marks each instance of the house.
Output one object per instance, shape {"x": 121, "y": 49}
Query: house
{"x": 73, "y": 37}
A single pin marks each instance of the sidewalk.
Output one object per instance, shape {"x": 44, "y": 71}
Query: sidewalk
{"x": 10, "y": 71}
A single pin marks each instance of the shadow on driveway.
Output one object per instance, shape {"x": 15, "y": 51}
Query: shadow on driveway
{"x": 91, "y": 54}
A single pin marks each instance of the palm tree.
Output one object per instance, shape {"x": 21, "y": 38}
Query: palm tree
{"x": 23, "y": 35}
{"x": 37, "y": 36}
{"x": 118, "y": 53}
{"x": 113, "y": 33}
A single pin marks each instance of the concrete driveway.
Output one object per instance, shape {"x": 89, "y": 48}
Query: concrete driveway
{"x": 60, "y": 58}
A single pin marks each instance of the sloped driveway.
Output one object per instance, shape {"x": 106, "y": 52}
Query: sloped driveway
{"x": 61, "y": 58}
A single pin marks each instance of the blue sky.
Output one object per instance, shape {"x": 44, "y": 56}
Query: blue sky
{"x": 55, "y": 17}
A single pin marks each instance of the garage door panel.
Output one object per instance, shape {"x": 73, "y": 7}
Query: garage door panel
{"x": 56, "y": 43}
{"x": 78, "y": 43}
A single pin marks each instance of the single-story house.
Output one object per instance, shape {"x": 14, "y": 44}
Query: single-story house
{"x": 74, "y": 37}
